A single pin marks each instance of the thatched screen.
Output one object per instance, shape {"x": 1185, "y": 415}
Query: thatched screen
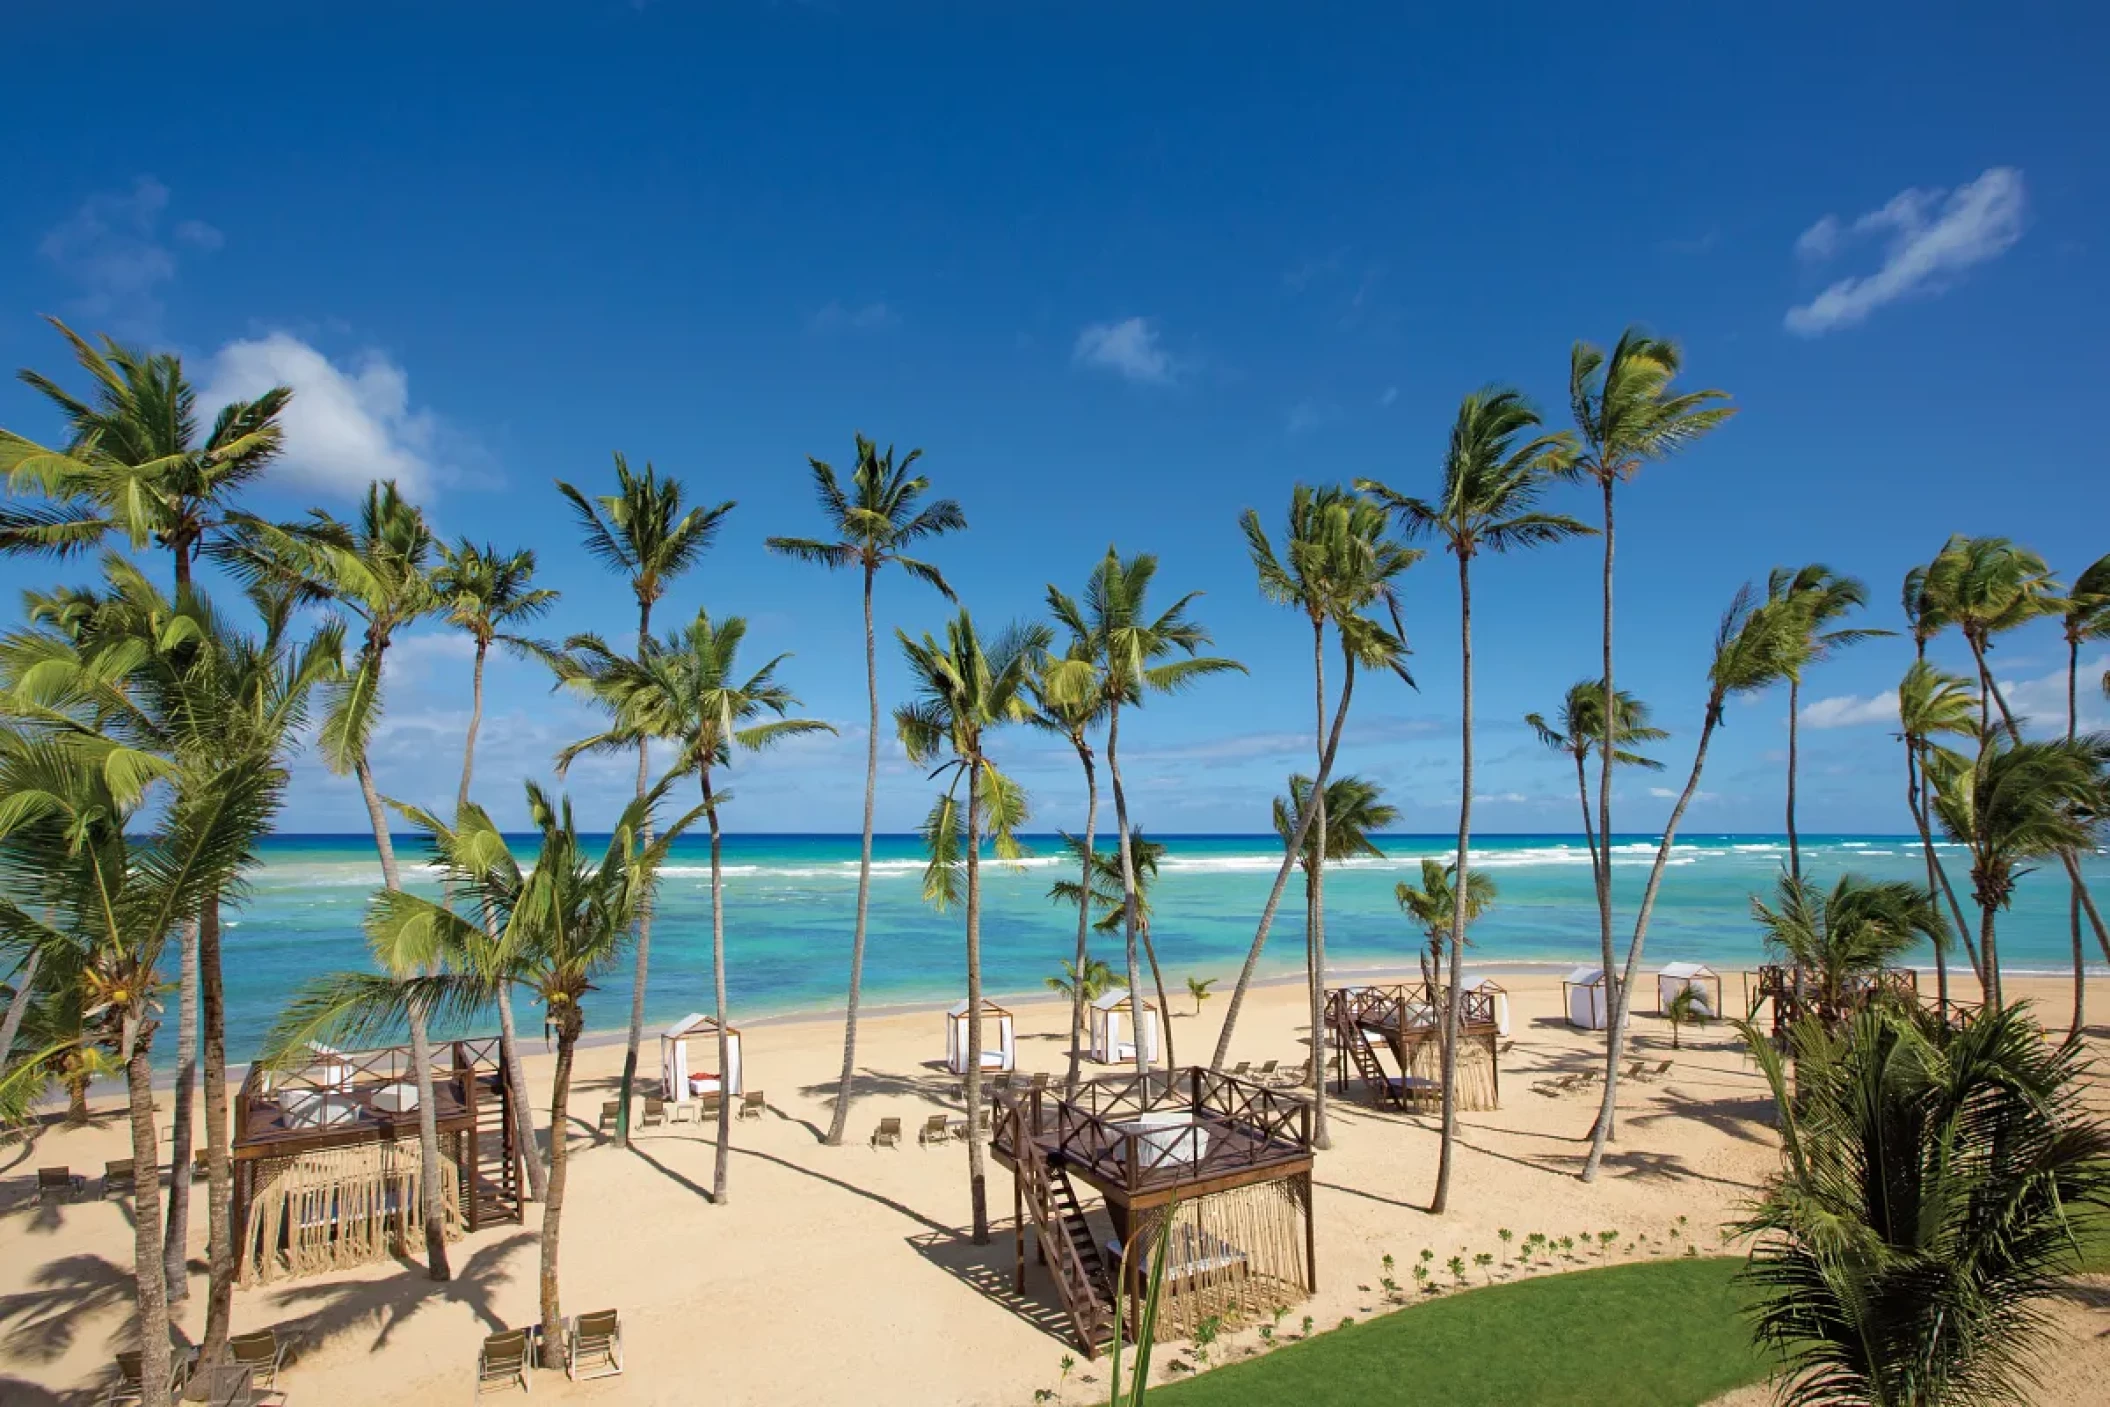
{"x": 1476, "y": 1070}
{"x": 1233, "y": 1256}
{"x": 339, "y": 1207}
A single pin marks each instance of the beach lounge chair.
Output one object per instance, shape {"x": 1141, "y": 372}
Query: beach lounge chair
{"x": 201, "y": 1163}
{"x": 611, "y": 1113}
{"x": 503, "y": 1361}
{"x": 596, "y": 1347}
{"x": 1297, "y": 1076}
{"x": 934, "y": 1130}
{"x": 1634, "y": 1069}
{"x": 127, "y": 1387}
{"x": 1001, "y": 1083}
{"x": 888, "y": 1134}
{"x": 707, "y": 1106}
{"x": 655, "y": 1111}
{"x": 1662, "y": 1068}
{"x": 1558, "y": 1085}
{"x": 1040, "y": 1082}
{"x": 120, "y": 1175}
{"x": 262, "y": 1353}
{"x": 751, "y": 1105}
{"x": 959, "y": 1130}
{"x": 1505, "y": 1047}
{"x": 59, "y": 1182}
{"x": 681, "y": 1111}
{"x": 1238, "y": 1071}
{"x": 1266, "y": 1072}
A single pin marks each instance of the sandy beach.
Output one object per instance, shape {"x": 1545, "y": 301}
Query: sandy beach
{"x": 846, "y": 1274}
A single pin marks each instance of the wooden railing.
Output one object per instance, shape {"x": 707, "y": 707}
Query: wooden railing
{"x": 453, "y": 1065}
{"x": 1404, "y": 1006}
{"x": 1244, "y": 1125}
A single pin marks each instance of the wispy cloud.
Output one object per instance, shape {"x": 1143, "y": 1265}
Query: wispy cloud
{"x": 1309, "y": 414}
{"x": 1129, "y": 348}
{"x": 113, "y": 249}
{"x": 836, "y": 316}
{"x": 1932, "y": 237}
{"x": 1850, "y": 710}
{"x": 1388, "y": 395}
{"x": 2042, "y": 700}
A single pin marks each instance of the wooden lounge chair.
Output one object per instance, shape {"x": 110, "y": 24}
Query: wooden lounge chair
{"x": 503, "y": 1361}
{"x": 1238, "y": 1071}
{"x": 655, "y": 1111}
{"x": 63, "y": 1183}
{"x": 934, "y": 1130}
{"x": 1001, "y": 1083}
{"x": 611, "y": 1114}
{"x": 751, "y": 1105}
{"x": 959, "y": 1130}
{"x": 262, "y": 1353}
{"x": 1266, "y": 1072}
{"x": 707, "y": 1106}
{"x": 1558, "y": 1085}
{"x": 201, "y": 1164}
{"x": 1040, "y": 1081}
{"x": 1634, "y": 1069}
{"x": 1505, "y": 1047}
{"x": 1661, "y": 1069}
{"x": 595, "y": 1349}
{"x": 888, "y": 1134}
{"x": 120, "y": 1175}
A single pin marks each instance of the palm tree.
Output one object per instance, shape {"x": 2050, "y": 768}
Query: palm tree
{"x": 963, "y": 691}
{"x": 1434, "y": 907}
{"x": 133, "y": 461}
{"x": 688, "y": 689}
{"x": 1754, "y": 646}
{"x": 1686, "y": 1007}
{"x": 1627, "y": 416}
{"x": 1109, "y": 900}
{"x": 553, "y": 930}
{"x": 1577, "y": 728}
{"x": 1097, "y": 978}
{"x": 1928, "y": 1200}
{"x": 1198, "y": 988}
{"x": 2087, "y": 618}
{"x": 1069, "y": 700}
{"x": 1138, "y": 654}
{"x": 2013, "y": 803}
{"x": 1933, "y": 705}
{"x": 1490, "y": 486}
{"x": 641, "y": 532}
{"x": 378, "y": 572}
{"x": 1820, "y": 597}
{"x": 1336, "y": 566}
{"x": 1839, "y": 941}
{"x": 872, "y": 524}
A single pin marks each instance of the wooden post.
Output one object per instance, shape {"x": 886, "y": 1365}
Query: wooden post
{"x": 1311, "y": 1237}
{"x": 1018, "y": 1223}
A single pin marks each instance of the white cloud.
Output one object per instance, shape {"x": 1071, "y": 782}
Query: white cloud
{"x": 346, "y": 425}
{"x": 199, "y": 235}
{"x": 864, "y": 317}
{"x": 1849, "y": 710}
{"x": 1129, "y": 348}
{"x": 1662, "y": 793}
{"x": 1931, "y": 240}
{"x": 111, "y": 246}
{"x": 2042, "y": 701}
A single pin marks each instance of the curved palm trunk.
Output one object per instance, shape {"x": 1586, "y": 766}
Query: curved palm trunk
{"x": 1606, "y": 749}
{"x": 1582, "y": 792}
{"x": 1794, "y": 841}
{"x": 150, "y": 1283}
{"x": 723, "y": 1165}
{"x": 644, "y": 927}
{"x": 2073, "y": 906}
{"x": 1938, "y": 874}
{"x": 1084, "y": 916}
{"x": 1294, "y": 849}
{"x": 175, "y": 1258}
{"x": 1454, "y": 999}
{"x": 1128, "y": 893}
{"x": 219, "y": 1171}
{"x": 977, "y": 1176}
{"x": 845, "y": 1089}
{"x": 1912, "y": 803}
{"x": 432, "y": 1203}
{"x": 1157, "y": 976}
{"x": 1625, "y": 984}
{"x": 553, "y": 1204}
{"x": 476, "y": 720}
{"x": 18, "y": 1005}
{"x": 1315, "y": 956}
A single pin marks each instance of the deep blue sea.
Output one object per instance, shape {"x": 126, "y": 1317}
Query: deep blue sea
{"x": 791, "y": 899}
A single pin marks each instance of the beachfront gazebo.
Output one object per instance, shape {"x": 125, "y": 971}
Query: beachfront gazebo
{"x": 1696, "y": 977}
{"x": 1406, "y": 1020}
{"x": 1111, "y": 1039}
{"x": 1001, "y": 1055}
{"x": 1586, "y": 998}
{"x": 688, "y": 1059}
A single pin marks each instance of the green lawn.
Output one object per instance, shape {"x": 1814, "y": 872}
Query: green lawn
{"x": 1663, "y": 1332}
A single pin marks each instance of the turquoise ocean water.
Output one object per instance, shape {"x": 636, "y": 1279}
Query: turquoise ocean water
{"x": 790, "y": 901}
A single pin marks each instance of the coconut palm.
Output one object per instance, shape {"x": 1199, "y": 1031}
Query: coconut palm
{"x": 1198, "y": 988}
{"x": 1109, "y": 901}
{"x": 1686, "y": 1007}
{"x": 2087, "y": 617}
{"x": 1069, "y": 700}
{"x": 1337, "y": 566}
{"x": 1754, "y": 646}
{"x": 1097, "y": 979}
{"x": 872, "y": 524}
{"x": 1491, "y": 484}
{"x": 1839, "y": 941}
{"x": 641, "y": 533}
{"x": 1929, "y": 1199}
{"x": 553, "y": 929}
{"x": 1577, "y": 728}
{"x": 689, "y": 690}
{"x": 2013, "y": 803}
{"x": 1934, "y": 705}
{"x": 377, "y": 572}
{"x": 1138, "y": 654}
{"x": 134, "y": 462}
{"x": 1434, "y": 909}
{"x": 1819, "y": 597}
{"x": 964, "y": 691}
{"x": 1626, "y": 416}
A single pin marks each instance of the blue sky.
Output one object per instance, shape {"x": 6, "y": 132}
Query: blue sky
{"x": 1121, "y": 271}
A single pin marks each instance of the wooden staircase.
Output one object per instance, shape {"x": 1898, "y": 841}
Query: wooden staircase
{"x": 1072, "y": 1255}
{"x": 1353, "y": 1040}
{"x": 493, "y": 1169}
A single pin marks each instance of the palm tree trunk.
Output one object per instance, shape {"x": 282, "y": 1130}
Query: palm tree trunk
{"x": 77, "y": 1099}
{"x": 1274, "y": 897}
{"x": 149, "y": 1280}
{"x": 2073, "y": 905}
{"x": 844, "y": 1090}
{"x": 517, "y": 1096}
{"x": 175, "y": 1258}
{"x": 18, "y": 1005}
{"x": 723, "y": 1166}
{"x": 1606, "y": 750}
{"x": 977, "y": 1177}
{"x": 1912, "y": 804}
{"x": 1988, "y": 946}
{"x": 1084, "y": 916}
{"x": 1794, "y": 842}
{"x": 644, "y": 927}
{"x": 1128, "y": 893}
{"x": 476, "y": 720}
{"x": 1454, "y": 999}
{"x": 219, "y": 1171}
{"x": 1315, "y": 966}
{"x": 1157, "y": 976}
{"x": 553, "y": 1204}
{"x": 431, "y": 1201}
{"x": 1939, "y": 874}
{"x": 1582, "y": 792}
{"x": 1624, "y": 985}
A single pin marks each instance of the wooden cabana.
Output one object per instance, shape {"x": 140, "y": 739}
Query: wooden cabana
{"x": 1790, "y": 993}
{"x": 1112, "y": 1041}
{"x": 1695, "y": 977}
{"x": 1000, "y": 1055}
{"x": 1228, "y": 1161}
{"x": 327, "y": 1167}
{"x": 1405, "y": 1020}
{"x": 688, "y": 1059}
